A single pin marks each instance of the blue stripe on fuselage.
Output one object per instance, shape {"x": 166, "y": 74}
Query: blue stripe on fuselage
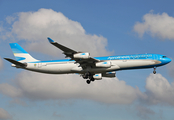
{"x": 127, "y": 57}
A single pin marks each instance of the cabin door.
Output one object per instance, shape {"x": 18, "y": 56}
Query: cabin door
{"x": 39, "y": 65}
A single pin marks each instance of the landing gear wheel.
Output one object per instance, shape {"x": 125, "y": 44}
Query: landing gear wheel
{"x": 88, "y": 81}
{"x": 92, "y": 79}
{"x": 154, "y": 72}
{"x": 86, "y": 75}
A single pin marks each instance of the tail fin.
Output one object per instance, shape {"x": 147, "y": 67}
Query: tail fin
{"x": 20, "y": 54}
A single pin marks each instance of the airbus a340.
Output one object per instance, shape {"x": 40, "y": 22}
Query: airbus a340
{"x": 90, "y": 68}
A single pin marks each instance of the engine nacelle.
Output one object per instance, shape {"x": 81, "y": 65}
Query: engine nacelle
{"x": 81, "y": 55}
{"x": 97, "y": 76}
{"x": 106, "y": 64}
{"x": 109, "y": 74}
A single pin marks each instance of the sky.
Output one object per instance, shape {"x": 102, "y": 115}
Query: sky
{"x": 102, "y": 28}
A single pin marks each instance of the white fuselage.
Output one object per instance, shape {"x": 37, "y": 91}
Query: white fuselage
{"x": 64, "y": 67}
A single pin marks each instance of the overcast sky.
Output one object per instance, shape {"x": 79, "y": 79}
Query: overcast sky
{"x": 102, "y": 28}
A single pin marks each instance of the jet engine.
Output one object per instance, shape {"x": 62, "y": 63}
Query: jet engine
{"x": 103, "y": 64}
{"x": 109, "y": 74}
{"x": 81, "y": 55}
{"x": 97, "y": 76}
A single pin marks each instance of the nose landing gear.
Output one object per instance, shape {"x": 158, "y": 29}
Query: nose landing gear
{"x": 154, "y": 71}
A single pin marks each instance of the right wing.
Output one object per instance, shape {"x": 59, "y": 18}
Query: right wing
{"x": 83, "y": 61}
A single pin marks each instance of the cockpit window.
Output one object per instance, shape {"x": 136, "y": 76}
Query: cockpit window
{"x": 164, "y": 56}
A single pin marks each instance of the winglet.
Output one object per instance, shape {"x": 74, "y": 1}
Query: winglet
{"x": 50, "y": 40}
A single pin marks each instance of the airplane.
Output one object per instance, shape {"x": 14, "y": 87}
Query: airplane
{"x": 90, "y": 68}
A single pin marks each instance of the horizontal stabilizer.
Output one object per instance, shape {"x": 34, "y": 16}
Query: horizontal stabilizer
{"x": 18, "y": 64}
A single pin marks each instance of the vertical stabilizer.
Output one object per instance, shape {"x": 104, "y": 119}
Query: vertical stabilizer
{"x": 20, "y": 54}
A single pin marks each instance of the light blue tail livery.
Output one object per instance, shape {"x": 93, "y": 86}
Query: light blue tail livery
{"x": 20, "y": 54}
{"x": 16, "y": 48}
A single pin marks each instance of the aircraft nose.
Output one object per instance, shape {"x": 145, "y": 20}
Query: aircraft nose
{"x": 167, "y": 60}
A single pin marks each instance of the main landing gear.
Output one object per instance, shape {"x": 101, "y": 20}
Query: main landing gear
{"x": 89, "y": 81}
{"x": 154, "y": 71}
{"x": 88, "y": 75}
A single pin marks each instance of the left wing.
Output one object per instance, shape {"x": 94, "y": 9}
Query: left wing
{"x": 83, "y": 59}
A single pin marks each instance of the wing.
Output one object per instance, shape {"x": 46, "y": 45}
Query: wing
{"x": 83, "y": 59}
